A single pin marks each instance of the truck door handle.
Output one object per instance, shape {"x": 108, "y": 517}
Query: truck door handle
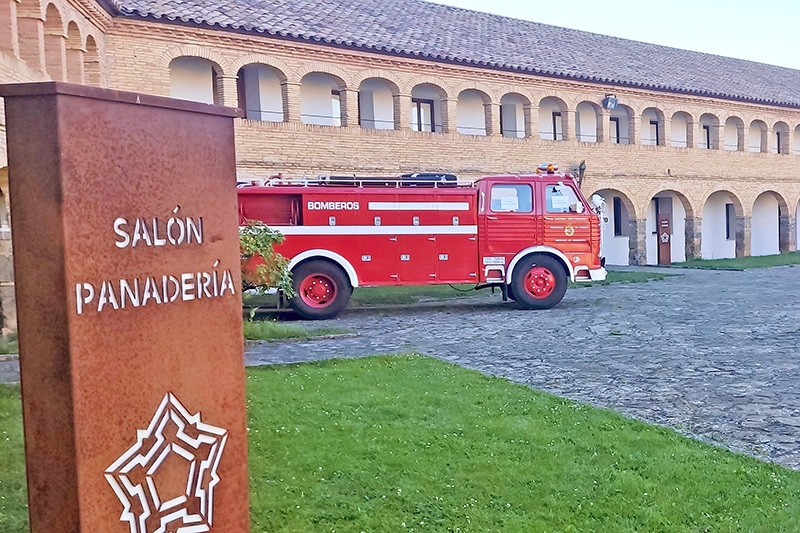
{"x": 393, "y": 239}
{"x": 491, "y": 218}
{"x": 431, "y": 238}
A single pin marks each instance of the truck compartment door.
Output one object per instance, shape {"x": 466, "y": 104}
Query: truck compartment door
{"x": 457, "y": 243}
{"x": 417, "y": 217}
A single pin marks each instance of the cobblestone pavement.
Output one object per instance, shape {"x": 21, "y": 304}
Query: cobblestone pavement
{"x": 713, "y": 354}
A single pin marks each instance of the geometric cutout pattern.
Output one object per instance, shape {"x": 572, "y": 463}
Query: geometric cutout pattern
{"x": 166, "y": 480}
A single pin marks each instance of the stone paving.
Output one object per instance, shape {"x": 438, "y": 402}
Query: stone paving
{"x": 713, "y": 354}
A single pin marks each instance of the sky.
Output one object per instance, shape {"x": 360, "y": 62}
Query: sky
{"x": 763, "y": 31}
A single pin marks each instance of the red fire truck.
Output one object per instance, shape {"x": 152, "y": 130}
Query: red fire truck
{"x": 526, "y": 235}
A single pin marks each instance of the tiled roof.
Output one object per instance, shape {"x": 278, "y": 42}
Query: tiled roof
{"x": 433, "y": 31}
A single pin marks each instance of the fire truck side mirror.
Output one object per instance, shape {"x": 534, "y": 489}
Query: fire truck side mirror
{"x": 599, "y": 203}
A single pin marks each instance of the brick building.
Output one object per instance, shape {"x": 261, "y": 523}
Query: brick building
{"x": 379, "y": 87}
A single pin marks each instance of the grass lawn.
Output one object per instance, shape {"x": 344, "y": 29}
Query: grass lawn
{"x": 9, "y": 344}
{"x": 271, "y": 330}
{"x": 13, "y": 492}
{"x": 402, "y": 443}
{"x": 741, "y": 263}
{"x": 411, "y": 294}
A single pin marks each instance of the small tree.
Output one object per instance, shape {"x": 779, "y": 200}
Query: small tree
{"x": 262, "y": 267}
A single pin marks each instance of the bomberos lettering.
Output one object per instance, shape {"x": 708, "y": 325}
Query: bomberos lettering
{"x": 333, "y": 206}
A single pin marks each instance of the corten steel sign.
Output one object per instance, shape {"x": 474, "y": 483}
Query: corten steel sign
{"x": 127, "y": 273}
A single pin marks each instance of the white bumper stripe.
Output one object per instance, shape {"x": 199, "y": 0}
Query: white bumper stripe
{"x": 376, "y": 230}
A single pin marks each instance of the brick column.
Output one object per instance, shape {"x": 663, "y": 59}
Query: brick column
{"x": 531, "y": 117}
{"x": 402, "y": 111}
{"x": 717, "y": 136}
{"x": 491, "y": 112}
{"x": 743, "y": 235}
{"x": 603, "y": 125}
{"x": 55, "y": 52}
{"x": 75, "y": 71}
{"x": 785, "y": 228}
{"x": 695, "y": 134}
{"x": 229, "y": 94}
{"x": 449, "y": 115}
{"x": 665, "y": 133}
{"x": 693, "y": 234}
{"x": 791, "y": 226}
{"x": 348, "y": 102}
{"x": 31, "y": 40}
{"x": 290, "y": 92}
{"x": 634, "y": 130}
{"x": 8, "y": 28}
{"x": 567, "y": 125}
{"x": 638, "y": 241}
{"x": 786, "y": 142}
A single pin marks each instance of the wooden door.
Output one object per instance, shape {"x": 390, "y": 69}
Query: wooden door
{"x": 664, "y": 232}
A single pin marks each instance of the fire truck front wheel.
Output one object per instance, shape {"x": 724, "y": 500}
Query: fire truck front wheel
{"x": 539, "y": 282}
{"x": 321, "y": 290}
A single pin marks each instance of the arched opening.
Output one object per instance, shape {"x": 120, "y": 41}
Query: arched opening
{"x": 587, "y": 119}
{"x": 259, "y": 91}
{"x": 514, "y": 120}
{"x": 796, "y": 141}
{"x": 91, "y": 62}
{"x": 75, "y": 53}
{"x": 779, "y": 141}
{"x": 30, "y": 33}
{"x": 618, "y": 228}
{"x": 551, "y": 118}
{"x": 194, "y": 78}
{"x": 734, "y": 134}
{"x": 426, "y": 107}
{"x": 376, "y": 104}
{"x": 723, "y": 227}
{"x": 669, "y": 228}
{"x": 681, "y": 130}
{"x": 653, "y": 127}
{"x": 54, "y": 43}
{"x": 321, "y": 99}
{"x": 709, "y": 132}
{"x": 757, "y": 137}
{"x": 769, "y": 225}
{"x": 620, "y": 125}
{"x": 797, "y": 227}
{"x": 472, "y": 119}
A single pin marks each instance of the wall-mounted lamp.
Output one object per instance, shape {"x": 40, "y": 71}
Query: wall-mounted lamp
{"x": 610, "y": 101}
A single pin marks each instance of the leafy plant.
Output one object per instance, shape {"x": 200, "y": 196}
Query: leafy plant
{"x": 262, "y": 267}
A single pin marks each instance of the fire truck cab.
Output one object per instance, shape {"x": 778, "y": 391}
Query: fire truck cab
{"x": 527, "y": 235}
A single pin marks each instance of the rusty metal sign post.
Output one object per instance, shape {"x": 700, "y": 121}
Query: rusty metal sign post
{"x": 127, "y": 273}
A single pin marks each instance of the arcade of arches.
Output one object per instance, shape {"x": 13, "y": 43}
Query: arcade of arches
{"x": 669, "y": 227}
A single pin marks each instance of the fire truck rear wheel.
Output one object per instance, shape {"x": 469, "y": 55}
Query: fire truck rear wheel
{"x": 539, "y": 282}
{"x": 321, "y": 288}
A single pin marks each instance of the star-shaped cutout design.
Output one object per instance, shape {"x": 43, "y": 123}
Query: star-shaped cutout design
{"x": 166, "y": 480}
